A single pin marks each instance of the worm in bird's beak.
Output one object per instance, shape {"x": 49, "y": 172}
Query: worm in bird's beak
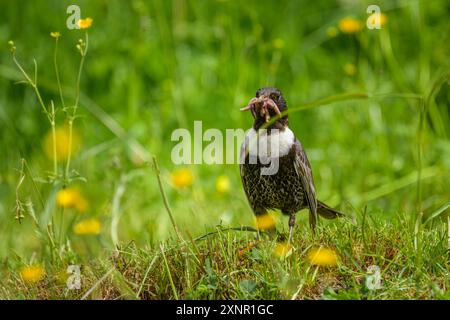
{"x": 262, "y": 105}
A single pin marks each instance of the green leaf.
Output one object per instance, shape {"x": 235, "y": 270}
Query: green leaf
{"x": 438, "y": 212}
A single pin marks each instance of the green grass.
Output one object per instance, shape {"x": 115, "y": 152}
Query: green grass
{"x": 377, "y": 139}
{"x": 223, "y": 266}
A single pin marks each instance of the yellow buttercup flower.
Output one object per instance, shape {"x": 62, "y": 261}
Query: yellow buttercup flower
{"x": 377, "y": 17}
{"x": 72, "y": 198}
{"x": 85, "y": 23}
{"x": 350, "y": 69}
{"x": 322, "y": 257}
{"x": 90, "y": 226}
{"x": 62, "y": 137}
{"x": 66, "y": 197}
{"x": 55, "y": 34}
{"x": 32, "y": 274}
{"x": 350, "y": 25}
{"x": 182, "y": 178}
{"x": 265, "y": 222}
{"x": 282, "y": 250}
{"x": 223, "y": 184}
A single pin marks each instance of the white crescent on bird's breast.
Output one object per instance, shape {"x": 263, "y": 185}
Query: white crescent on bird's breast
{"x": 281, "y": 140}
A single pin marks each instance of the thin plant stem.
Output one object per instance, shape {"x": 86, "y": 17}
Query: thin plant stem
{"x": 83, "y": 52}
{"x": 61, "y": 226}
{"x": 80, "y": 69}
{"x": 52, "y": 123}
{"x": 169, "y": 274}
{"x": 69, "y": 156}
{"x": 55, "y": 63}
{"x": 31, "y": 83}
{"x": 166, "y": 202}
{"x": 419, "y": 155}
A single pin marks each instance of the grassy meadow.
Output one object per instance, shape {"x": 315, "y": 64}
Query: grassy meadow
{"x": 87, "y": 181}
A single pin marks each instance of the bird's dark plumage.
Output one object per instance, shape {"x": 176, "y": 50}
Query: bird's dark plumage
{"x": 291, "y": 188}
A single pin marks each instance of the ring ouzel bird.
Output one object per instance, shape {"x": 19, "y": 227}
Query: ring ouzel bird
{"x": 290, "y": 187}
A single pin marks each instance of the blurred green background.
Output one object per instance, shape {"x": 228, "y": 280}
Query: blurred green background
{"x": 154, "y": 66}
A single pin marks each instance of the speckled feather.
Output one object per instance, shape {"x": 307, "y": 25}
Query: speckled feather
{"x": 286, "y": 190}
{"x": 291, "y": 188}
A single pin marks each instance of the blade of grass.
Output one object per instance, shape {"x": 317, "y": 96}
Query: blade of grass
{"x": 169, "y": 274}
{"x": 165, "y": 201}
{"x": 146, "y": 275}
{"x": 437, "y": 213}
{"x": 115, "y": 210}
{"x": 91, "y": 289}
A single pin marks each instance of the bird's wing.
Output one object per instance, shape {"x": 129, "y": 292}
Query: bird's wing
{"x": 243, "y": 158}
{"x": 243, "y": 155}
{"x": 244, "y": 152}
{"x": 303, "y": 170}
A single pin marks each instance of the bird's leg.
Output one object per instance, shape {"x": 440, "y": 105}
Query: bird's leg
{"x": 291, "y": 227}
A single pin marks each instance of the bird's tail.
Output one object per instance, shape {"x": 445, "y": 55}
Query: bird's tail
{"x": 327, "y": 212}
